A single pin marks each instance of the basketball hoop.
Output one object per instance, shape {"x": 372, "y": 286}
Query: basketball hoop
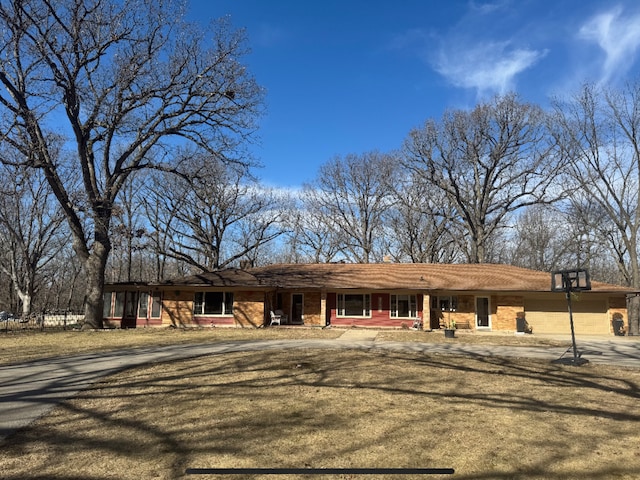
{"x": 571, "y": 281}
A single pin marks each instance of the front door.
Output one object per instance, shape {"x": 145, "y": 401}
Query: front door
{"x": 482, "y": 312}
{"x": 297, "y": 308}
{"x": 130, "y": 310}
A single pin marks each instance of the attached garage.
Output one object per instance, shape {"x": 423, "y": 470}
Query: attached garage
{"x": 550, "y": 314}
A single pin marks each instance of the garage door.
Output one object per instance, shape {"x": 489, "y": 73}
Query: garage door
{"x": 552, "y": 316}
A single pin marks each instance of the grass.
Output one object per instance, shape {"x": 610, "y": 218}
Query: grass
{"x": 23, "y": 345}
{"x": 485, "y": 417}
{"x": 20, "y": 346}
{"x": 466, "y": 337}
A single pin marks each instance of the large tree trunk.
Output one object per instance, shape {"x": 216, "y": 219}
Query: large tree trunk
{"x": 23, "y": 287}
{"x": 95, "y": 266}
{"x": 95, "y": 269}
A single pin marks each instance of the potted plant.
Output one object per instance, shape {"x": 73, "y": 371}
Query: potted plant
{"x": 450, "y": 329}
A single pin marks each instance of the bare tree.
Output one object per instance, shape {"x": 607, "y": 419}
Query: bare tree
{"x": 121, "y": 84}
{"x": 129, "y": 232}
{"x": 160, "y": 210}
{"x": 353, "y": 197}
{"x": 31, "y": 230}
{"x": 420, "y": 224}
{"x": 311, "y": 237}
{"x": 598, "y": 134}
{"x": 62, "y": 283}
{"x": 489, "y": 162}
{"x": 541, "y": 239}
{"x": 218, "y": 215}
{"x": 592, "y": 240}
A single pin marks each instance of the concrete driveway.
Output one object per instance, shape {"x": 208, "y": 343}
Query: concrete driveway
{"x": 29, "y": 390}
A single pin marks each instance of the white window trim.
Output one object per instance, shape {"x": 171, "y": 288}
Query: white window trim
{"x": 489, "y": 316}
{"x": 224, "y": 304}
{"x": 152, "y": 296}
{"x": 342, "y": 315}
{"x": 393, "y": 306}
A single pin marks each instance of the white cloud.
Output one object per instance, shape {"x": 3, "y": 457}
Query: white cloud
{"x": 489, "y": 67}
{"x": 618, "y": 35}
{"x": 484, "y": 8}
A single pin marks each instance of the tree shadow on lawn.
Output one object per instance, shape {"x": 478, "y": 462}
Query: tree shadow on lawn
{"x": 487, "y": 417}
{"x": 629, "y": 351}
{"x": 624, "y": 382}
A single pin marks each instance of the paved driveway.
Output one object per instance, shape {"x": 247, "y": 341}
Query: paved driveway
{"x": 29, "y": 390}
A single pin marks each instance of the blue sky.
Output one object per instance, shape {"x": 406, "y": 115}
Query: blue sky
{"x": 351, "y": 76}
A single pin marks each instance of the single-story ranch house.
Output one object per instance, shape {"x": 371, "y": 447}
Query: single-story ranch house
{"x": 479, "y": 297}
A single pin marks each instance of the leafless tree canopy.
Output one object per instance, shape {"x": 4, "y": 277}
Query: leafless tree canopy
{"x": 129, "y": 233}
{"x": 489, "y": 162}
{"x": 31, "y": 231}
{"x": 421, "y": 223}
{"x": 216, "y": 215}
{"x": 117, "y": 85}
{"x": 542, "y": 239}
{"x": 351, "y": 197}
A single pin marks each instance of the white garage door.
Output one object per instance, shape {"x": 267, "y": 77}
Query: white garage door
{"x": 552, "y": 315}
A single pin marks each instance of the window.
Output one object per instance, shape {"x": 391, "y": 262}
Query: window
{"x": 143, "y": 305}
{"x": 213, "y": 303}
{"x": 445, "y": 304}
{"x": 106, "y": 308}
{"x": 131, "y": 304}
{"x": 354, "y": 305}
{"x": 403, "y": 306}
{"x": 155, "y": 305}
{"x": 115, "y": 303}
{"x": 118, "y": 309}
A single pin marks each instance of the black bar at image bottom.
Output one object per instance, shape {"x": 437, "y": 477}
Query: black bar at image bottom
{"x": 319, "y": 471}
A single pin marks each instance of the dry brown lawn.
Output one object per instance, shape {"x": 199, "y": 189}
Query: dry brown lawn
{"x": 464, "y": 336}
{"x": 23, "y": 345}
{"x": 488, "y": 418}
{"x": 20, "y": 346}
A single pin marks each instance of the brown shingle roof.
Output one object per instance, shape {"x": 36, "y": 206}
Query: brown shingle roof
{"x": 221, "y": 278}
{"x": 483, "y": 277}
{"x": 387, "y": 276}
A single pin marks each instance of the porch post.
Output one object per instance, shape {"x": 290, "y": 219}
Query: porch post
{"x": 426, "y": 311}
{"x": 323, "y": 308}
